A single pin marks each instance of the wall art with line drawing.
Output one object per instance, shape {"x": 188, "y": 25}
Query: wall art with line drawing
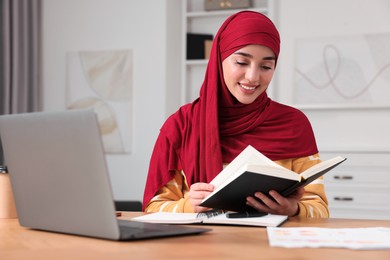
{"x": 103, "y": 81}
{"x": 346, "y": 70}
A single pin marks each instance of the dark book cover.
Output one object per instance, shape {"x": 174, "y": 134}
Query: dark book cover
{"x": 233, "y": 196}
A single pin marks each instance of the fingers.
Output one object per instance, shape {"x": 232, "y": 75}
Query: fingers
{"x": 200, "y": 190}
{"x": 201, "y": 186}
{"x": 275, "y": 203}
{"x": 258, "y": 205}
{"x": 197, "y": 193}
{"x": 201, "y": 209}
{"x": 264, "y": 203}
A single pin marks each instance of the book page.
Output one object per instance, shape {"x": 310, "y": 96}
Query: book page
{"x": 282, "y": 173}
{"x": 169, "y": 218}
{"x": 273, "y": 171}
{"x": 322, "y": 166}
{"x": 268, "y": 220}
{"x": 216, "y": 217}
{"x": 352, "y": 238}
{"x": 248, "y": 156}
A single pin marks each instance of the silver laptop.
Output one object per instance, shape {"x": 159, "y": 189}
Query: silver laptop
{"x": 60, "y": 179}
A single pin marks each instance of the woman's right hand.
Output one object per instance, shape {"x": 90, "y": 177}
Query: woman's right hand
{"x": 199, "y": 191}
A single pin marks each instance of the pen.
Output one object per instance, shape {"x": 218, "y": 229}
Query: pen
{"x": 245, "y": 214}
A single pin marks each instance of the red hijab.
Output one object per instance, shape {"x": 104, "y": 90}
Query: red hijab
{"x": 215, "y": 128}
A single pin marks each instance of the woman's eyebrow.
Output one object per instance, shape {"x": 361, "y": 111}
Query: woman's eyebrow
{"x": 250, "y": 56}
{"x": 269, "y": 58}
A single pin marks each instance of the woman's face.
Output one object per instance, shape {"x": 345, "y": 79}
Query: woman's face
{"x": 248, "y": 71}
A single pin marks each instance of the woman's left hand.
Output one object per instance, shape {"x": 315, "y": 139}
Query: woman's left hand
{"x": 274, "y": 203}
{"x": 199, "y": 191}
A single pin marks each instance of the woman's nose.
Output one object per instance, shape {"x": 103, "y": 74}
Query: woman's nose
{"x": 252, "y": 74}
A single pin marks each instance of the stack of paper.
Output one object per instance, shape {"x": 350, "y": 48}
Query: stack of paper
{"x": 352, "y": 238}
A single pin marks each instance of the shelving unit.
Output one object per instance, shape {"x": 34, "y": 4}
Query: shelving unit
{"x": 197, "y": 20}
{"x": 359, "y": 188}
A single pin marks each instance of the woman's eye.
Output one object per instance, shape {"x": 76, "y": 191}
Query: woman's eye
{"x": 241, "y": 62}
{"x": 266, "y": 67}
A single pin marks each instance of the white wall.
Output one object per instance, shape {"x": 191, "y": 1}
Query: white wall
{"x": 79, "y": 25}
{"x": 343, "y": 129}
{"x": 154, "y": 34}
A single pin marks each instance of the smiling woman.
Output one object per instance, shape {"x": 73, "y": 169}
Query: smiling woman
{"x": 248, "y": 72}
{"x": 232, "y": 112}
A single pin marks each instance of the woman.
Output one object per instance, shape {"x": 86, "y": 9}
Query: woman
{"x": 233, "y": 111}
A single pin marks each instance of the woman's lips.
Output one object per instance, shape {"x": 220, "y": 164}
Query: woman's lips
{"x": 248, "y": 88}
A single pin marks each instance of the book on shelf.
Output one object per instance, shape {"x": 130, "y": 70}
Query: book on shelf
{"x": 252, "y": 172}
{"x": 214, "y": 217}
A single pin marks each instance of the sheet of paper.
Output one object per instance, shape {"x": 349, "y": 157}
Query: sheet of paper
{"x": 352, "y": 238}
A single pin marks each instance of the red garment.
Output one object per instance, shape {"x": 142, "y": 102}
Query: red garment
{"x": 215, "y": 128}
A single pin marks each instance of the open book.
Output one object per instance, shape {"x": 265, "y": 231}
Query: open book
{"x": 252, "y": 172}
{"x": 211, "y": 217}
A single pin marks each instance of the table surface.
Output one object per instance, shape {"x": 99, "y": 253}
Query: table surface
{"x": 223, "y": 242}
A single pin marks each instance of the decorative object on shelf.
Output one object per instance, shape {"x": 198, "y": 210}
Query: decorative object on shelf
{"x": 7, "y": 203}
{"x": 196, "y": 45}
{"x": 211, "y": 5}
{"x": 207, "y": 48}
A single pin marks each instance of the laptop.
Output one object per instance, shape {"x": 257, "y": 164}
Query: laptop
{"x": 60, "y": 179}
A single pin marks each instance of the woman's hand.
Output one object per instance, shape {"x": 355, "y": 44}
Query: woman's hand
{"x": 275, "y": 203}
{"x": 199, "y": 191}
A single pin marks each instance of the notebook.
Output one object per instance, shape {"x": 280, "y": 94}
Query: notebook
{"x": 60, "y": 179}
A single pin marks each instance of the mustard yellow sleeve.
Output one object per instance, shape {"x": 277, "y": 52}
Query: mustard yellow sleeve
{"x": 173, "y": 197}
{"x": 314, "y": 203}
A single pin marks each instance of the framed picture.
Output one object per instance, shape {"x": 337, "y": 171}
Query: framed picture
{"x": 343, "y": 71}
{"x": 103, "y": 80}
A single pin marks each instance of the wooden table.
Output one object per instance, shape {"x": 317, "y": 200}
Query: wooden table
{"x": 223, "y": 242}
